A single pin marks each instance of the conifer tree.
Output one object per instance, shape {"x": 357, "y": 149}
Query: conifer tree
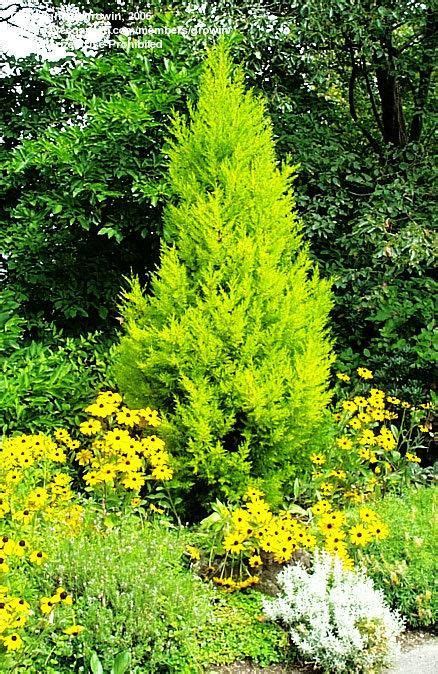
{"x": 231, "y": 345}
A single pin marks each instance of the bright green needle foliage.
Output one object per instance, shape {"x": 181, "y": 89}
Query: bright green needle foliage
{"x": 232, "y": 344}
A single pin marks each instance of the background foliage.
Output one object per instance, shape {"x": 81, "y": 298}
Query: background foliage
{"x": 84, "y": 166}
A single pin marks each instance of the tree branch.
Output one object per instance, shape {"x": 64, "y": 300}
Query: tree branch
{"x": 371, "y": 96}
{"x": 352, "y": 104}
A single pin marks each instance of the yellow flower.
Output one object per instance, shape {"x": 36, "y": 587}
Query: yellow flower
{"x": 193, "y": 552}
{"x": 336, "y": 518}
{"x": 340, "y": 474}
{"x": 90, "y": 427}
{"x": 72, "y": 444}
{"x": 367, "y": 438}
{"x": 107, "y": 472}
{"x": 4, "y": 567}
{"x": 84, "y": 457}
{"x": 133, "y": 481}
{"x": 360, "y": 401}
{"x": 135, "y": 502}
{"x": 412, "y": 458}
{"x": 359, "y": 535}
{"x": 327, "y": 526}
{"x": 343, "y": 377}
{"x": 62, "y": 435}
{"x": 19, "y": 621}
{"x": 150, "y": 417}
{"x": 37, "y": 557}
{"x": 73, "y": 630}
{"x": 335, "y": 546}
{"x": 334, "y": 536}
{"x": 24, "y": 516}
{"x": 46, "y": 605}
{"x": 344, "y": 443}
{"x": 111, "y": 397}
{"x": 62, "y": 596}
{"x": 13, "y": 477}
{"x": 367, "y": 515}
{"x": 255, "y": 561}
{"x": 318, "y": 459}
{"x": 321, "y": 507}
{"x": 260, "y": 511}
{"x": 253, "y": 494}
{"x": 127, "y": 417}
{"x": 163, "y": 473}
{"x": 355, "y": 424}
{"x": 378, "y": 530}
{"x": 349, "y": 406}
{"x": 233, "y": 542}
{"x": 13, "y": 642}
{"x": 101, "y": 409}
{"x": 364, "y": 373}
{"x": 364, "y": 454}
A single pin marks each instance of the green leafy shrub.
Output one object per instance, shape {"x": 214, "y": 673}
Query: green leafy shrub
{"x": 232, "y": 345}
{"x": 11, "y": 323}
{"x": 45, "y": 384}
{"x": 404, "y": 565}
{"x": 90, "y": 191}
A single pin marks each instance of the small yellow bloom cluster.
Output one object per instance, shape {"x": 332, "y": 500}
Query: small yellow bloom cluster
{"x": 253, "y": 530}
{"x": 14, "y": 614}
{"x": 31, "y": 485}
{"x": 338, "y": 533}
{"x": 118, "y": 453}
{"x": 371, "y": 431}
{"x": 232, "y": 585}
{"x": 33, "y": 490}
{"x": 61, "y": 597}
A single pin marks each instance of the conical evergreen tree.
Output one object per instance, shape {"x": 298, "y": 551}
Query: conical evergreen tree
{"x": 231, "y": 345}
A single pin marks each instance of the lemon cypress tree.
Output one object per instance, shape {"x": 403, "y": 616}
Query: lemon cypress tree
{"x": 231, "y": 345}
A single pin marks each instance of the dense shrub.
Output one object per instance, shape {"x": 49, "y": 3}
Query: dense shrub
{"x": 232, "y": 345}
{"x": 87, "y": 178}
{"x": 404, "y": 565}
{"x": 43, "y": 384}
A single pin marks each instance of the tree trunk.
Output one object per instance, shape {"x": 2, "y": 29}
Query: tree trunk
{"x": 393, "y": 120}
